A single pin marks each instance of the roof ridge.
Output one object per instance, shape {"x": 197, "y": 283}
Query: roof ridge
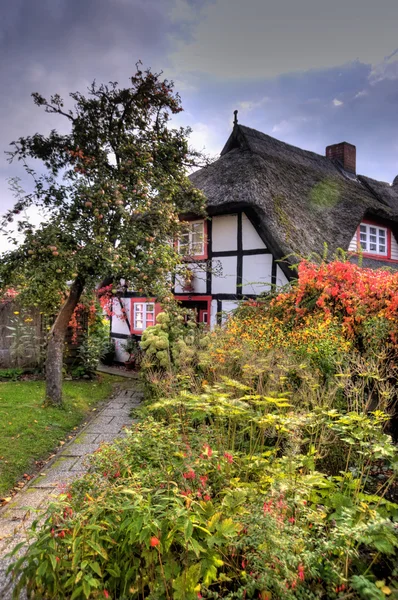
{"x": 285, "y": 144}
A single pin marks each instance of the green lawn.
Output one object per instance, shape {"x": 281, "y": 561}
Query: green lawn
{"x": 29, "y": 432}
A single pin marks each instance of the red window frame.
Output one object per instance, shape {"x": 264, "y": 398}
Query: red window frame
{"x": 203, "y": 256}
{"x": 373, "y": 254}
{"x": 143, "y": 300}
{"x": 206, "y": 299}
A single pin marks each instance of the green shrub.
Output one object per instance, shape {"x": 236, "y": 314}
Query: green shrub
{"x": 13, "y": 374}
{"x": 221, "y": 495}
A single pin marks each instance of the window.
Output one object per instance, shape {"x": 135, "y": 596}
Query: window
{"x": 373, "y": 239}
{"x": 192, "y": 241}
{"x": 144, "y": 315}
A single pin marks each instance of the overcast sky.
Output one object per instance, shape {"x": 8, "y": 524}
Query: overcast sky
{"x": 309, "y": 72}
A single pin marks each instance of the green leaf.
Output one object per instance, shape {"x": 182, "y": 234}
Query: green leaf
{"x": 186, "y": 584}
{"x": 79, "y": 576}
{"x": 53, "y": 561}
{"x": 197, "y": 548}
{"x": 99, "y": 549}
{"x": 227, "y": 528}
{"x": 188, "y": 529}
{"x": 96, "y": 568}
{"x": 76, "y": 593}
{"x": 86, "y": 588}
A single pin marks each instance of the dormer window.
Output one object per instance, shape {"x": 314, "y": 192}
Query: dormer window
{"x": 192, "y": 241}
{"x": 373, "y": 239}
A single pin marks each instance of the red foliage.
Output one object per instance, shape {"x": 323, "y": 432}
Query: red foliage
{"x": 343, "y": 289}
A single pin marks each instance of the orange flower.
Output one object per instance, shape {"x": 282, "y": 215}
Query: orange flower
{"x": 154, "y": 541}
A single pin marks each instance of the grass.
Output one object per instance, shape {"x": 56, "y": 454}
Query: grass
{"x": 29, "y": 432}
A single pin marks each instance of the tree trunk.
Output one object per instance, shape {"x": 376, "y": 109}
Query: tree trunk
{"x": 56, "y": 341}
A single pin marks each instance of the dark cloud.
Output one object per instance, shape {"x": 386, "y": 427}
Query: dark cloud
{"x": 289, "y": 66}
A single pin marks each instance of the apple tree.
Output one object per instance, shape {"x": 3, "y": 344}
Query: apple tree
{"x": 110, "y": 188}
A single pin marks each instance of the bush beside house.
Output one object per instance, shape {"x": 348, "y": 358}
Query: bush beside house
{"x": 262, "y": 468}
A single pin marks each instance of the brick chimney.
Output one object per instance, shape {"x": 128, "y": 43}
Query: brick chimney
{"x": 345, "y": 154}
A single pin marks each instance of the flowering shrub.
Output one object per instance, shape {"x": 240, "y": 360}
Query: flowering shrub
{"x": 333, "y": 310}
{"x": 224, "y": 495}
{"x": 173, "y": 342}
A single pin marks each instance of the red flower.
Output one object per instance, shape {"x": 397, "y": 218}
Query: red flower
{"x": 189, "y": 474}
{"x": 291, "y": 520}
{"x": 106, "y": 594}
{"x": 301, "y": 572}
{"x": 229, "y": 457}
{"x": 206, "y": 497}
{"x": 154, "y": 541}
{"x": 203, "y": 479}
{"x": 267, "y": 506}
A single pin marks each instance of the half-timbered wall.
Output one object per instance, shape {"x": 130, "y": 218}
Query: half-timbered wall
{"x": 239, "y": 264}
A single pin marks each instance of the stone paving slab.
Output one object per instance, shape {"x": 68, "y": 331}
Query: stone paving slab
{"x": 85, "y": 438}
{"x": 105, "y": 438}
{"x": 80, "y": 449}
{"x": 57, "y": 479}
{"x": 70, "y": 463}
{"x": 31, "y": 497}
{"x": 117, "y": 412}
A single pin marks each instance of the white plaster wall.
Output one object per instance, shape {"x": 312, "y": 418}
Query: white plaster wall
{"x": 228, "y": 307}
{"x": 213, "y": 315}
{"x": 199, "y": 282}
{"x": 394, "y": 247}
{"x": 225, "y": 283}
{"x": 250, "y": 238}
{"x": 281, "y": 278}
{"x": 256, "y": 273}
{"x": 224, "y": 233}
{"x": 120, "y": 354}
{"x": 353, "y": 244}
{"x": 119, "y": 325}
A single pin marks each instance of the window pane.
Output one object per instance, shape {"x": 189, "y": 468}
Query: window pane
{"x": 373, "y": 247}
{"x": 363, "y": 237}
{"x": 382, "y": 233}
{"x": 372, "y": 230}
{"x": 362, "y": 228}
{"x": 363, "y": 245}
{"x": 197, "y": 249}
{"x": 197, "y": 227}
{"x": 150, "y": 307}
{"x": 382, "y": 249}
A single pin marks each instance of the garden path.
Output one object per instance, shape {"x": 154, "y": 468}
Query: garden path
{"x": 68, "y": 464}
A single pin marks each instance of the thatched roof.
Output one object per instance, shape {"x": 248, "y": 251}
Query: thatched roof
{"x": 300, "y": 200}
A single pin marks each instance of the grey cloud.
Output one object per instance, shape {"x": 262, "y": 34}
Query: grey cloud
{"x": 59, "y": 46}
{"x": 258, "y": 38}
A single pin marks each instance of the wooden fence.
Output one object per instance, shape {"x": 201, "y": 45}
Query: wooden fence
{"x": 23, "y": 337}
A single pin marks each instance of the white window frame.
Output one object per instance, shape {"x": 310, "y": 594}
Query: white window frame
{"x": 369, "y": 235}
{"x": 189, "y": 235}
{"x": 144, "y": 312}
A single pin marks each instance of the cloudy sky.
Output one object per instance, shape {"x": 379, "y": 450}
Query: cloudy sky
{"x": 309, "y": 72}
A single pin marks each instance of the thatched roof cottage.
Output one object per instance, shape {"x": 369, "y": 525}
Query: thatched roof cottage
{"x": 269, "y": 204}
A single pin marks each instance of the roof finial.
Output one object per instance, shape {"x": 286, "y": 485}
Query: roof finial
{"x": 235, "y": 117}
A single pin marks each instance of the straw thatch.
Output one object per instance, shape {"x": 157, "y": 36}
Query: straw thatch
{"x": 299, "y": 199}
